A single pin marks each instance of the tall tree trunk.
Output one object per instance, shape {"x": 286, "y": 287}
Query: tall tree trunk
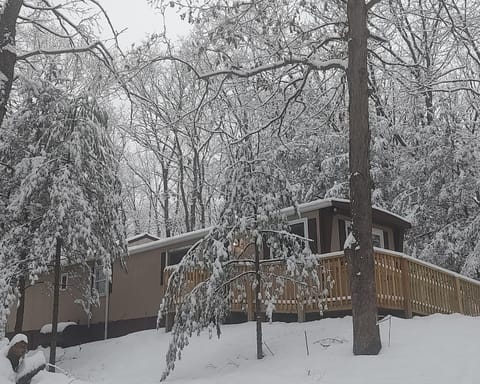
{"x": 21, "y": 305}
{"x": 258, "y": 303}
{"x": 8, "y": 57}
{"x": 166, "y": 201}
{"x": 56, "y": 297}
{"x": 193, "y": 203}
{"x": 366, "y": 336}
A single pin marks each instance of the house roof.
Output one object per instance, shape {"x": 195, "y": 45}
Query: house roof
{"x": 140, "y": 236}
{"x": 168, "y": 241}
{"x": 380, "y": 216}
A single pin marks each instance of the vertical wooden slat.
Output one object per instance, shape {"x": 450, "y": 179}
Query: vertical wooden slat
{"x": 339, "y": 280}
{"x": 379, "y": 282}
{"x": 406, "y": 287}
{"x": 459, "y": 296}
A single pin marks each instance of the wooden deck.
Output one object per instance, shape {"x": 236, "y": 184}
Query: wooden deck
{"x": 404, "y": 285}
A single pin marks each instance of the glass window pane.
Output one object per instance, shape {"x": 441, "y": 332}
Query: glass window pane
{"x": 298, "y": 229}
{"x": 175, "y": 256}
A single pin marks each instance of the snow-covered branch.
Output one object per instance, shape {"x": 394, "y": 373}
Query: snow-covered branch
{"x": 294, "y": 60}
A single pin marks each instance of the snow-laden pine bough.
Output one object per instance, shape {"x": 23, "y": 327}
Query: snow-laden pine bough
{"x": 229, "y": 265}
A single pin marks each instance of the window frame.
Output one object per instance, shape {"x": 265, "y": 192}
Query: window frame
{"x": 303, "y": 220}
{"x": 375, "y": 231}
{"x": 379, "y": 232}
{"x": 306, "y": 235}
{"x": 96, "y": 281}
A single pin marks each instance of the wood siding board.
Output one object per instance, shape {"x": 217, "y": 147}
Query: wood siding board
{"x": 398, "y": 235}
{"x": 326, "y": 225}
{"x": 312, "y": 234}
{"x": 163, "y": 260}
{"x": 386, "y": 243}
{"x": 342, "y": 232}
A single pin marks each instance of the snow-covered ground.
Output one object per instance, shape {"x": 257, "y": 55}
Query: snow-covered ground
{"x": 437, "y": 349}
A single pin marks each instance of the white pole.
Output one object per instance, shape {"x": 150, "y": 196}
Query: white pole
{"x": 107, "y": 294}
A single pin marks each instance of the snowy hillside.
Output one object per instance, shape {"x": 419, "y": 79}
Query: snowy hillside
{"x": 437, "y": 349}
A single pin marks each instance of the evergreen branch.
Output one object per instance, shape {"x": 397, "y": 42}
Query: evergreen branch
{"x": 240, "y": 262}
{"x": 235, "y": 278}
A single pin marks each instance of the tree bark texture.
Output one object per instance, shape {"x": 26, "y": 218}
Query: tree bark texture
{"x": 366, "y": 336}
{"x": 8, "y": 57}
{"x": 56, "y": 300}
{"x": 21, "y": 305}
{"x": 258, "y": 304}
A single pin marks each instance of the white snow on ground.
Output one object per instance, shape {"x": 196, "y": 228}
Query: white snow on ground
{"x": 34, "y": 361}
{"x": 438, "y": 349}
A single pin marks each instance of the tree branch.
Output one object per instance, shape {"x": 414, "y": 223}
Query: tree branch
{"x": 371, "y": 4}
{"x": 88, "y": 48}
{"x": 313, "y": 64}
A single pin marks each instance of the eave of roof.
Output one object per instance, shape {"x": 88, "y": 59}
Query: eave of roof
{"x": 342, "y": 203}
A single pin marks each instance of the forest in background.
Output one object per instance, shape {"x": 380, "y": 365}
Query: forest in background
{"x": 423, "y": 88}
{"x": 179, "y": 115}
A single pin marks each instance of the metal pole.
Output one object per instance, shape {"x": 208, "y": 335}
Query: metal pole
{"x": 107, "y": 294}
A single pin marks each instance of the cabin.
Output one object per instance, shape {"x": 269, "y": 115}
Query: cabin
{"x": 130, "y": 302}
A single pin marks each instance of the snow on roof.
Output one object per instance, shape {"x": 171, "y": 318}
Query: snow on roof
{"x": 323, "y": 203}
{"x": 142, "y": 235}
{"x": 164, "y": 243}
{"x": 289, "y": 211}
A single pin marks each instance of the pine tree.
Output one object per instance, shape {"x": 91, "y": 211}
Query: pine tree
{"x": 231, "y": 255}
{"x": 64, "y": 200}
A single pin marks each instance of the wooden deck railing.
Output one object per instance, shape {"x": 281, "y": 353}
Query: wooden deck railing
{"x": 404, "y": 284}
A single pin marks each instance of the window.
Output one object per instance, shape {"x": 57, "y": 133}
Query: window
{"x": 63, "y": 282}
{"x": 176, "y": 255}
{"x": 99, "y": 279}
{"x": 298, "y": 227}
{"x": 377, "y": 238}
{"x": 377, "y": 235}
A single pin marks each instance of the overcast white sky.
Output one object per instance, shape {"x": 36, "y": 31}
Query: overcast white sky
{"x": 140, "y": 19}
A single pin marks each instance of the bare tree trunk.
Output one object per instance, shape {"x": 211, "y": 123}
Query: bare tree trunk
{"x": 181, "y": 184}
{"x": 21, "y": 305}
{"x": 193, "y": 204}
{"x": 258, "y": 303}
{"x": 166, "y": 201}
{"x": 366, "y": 336}
{"x": 56, "y": 297}
{"x": 200, "y": 194}
{"x": 8, "y": 57}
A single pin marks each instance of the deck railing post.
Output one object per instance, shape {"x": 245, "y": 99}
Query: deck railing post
{"x": 407, "y": 292}
{"x": 300, "y": 309}
{"x": 458, "y": 290}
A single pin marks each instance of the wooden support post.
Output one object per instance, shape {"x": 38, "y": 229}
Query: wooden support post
{"x": 458, "y": 289}
{"x": 300, "y": 311}
{"x": 407, "y": 292}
